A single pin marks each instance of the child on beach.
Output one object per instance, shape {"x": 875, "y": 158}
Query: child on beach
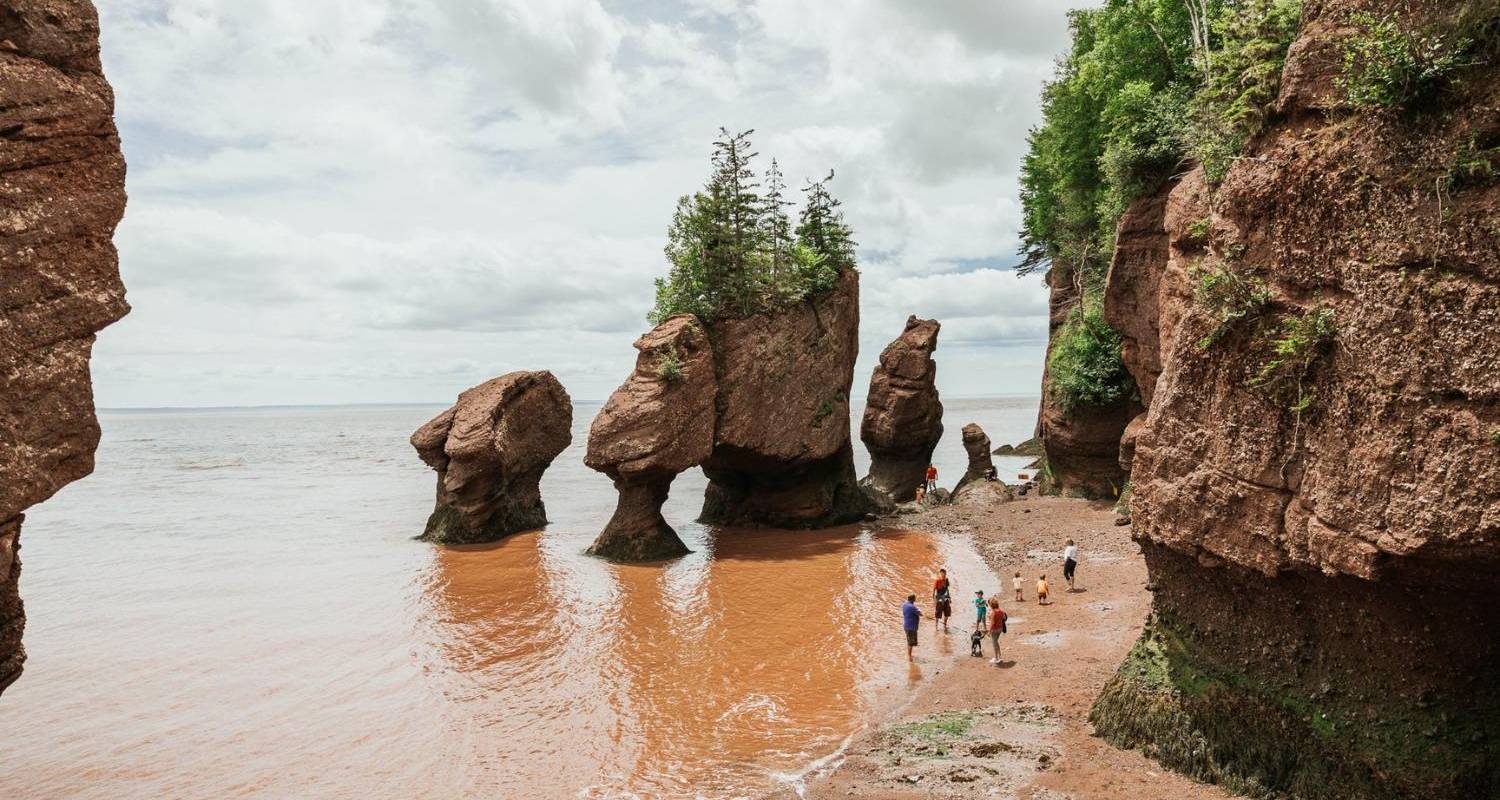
{"x": 921, "y": 490}
{"x": 1016, "y": 583}
{"x": 1041, "y": 591}
{"x": 997, "y": 627}
{"x": 979, "y": 609}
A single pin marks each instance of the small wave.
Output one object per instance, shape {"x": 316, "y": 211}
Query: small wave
{"x": 201, "y": 466}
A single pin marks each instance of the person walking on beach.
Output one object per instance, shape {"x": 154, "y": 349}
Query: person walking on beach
{"x": 911, "y": 618}
{"x": 1016, "y": 584}
{"x": 1070, "y": 563}
{"x": 921, "y": 490}
{"x": 931, "y": 478}
{"x": 997, "y": 627}
{"x": 979, "y": 608}
{"x": 1041, "y": 591}
{"x": 942, "y": 600}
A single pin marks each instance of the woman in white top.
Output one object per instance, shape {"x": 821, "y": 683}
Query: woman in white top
{"x": 1070, "y": 562}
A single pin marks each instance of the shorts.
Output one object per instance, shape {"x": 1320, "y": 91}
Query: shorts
{"x": 911, "y": 638}
{"x": 1068, "y": 567}
{"x": 944, "y": 609}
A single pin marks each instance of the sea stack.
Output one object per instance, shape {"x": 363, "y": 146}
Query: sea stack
{"x": 490, "y": 450}
{"x": 659, "y": 423}
{"x": 62, "y": 178}
{"x": 1322, "y": 532}
{"x": 782, "y": 454}
{"x": 903, "y": 418}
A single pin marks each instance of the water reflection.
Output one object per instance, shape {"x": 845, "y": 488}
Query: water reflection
{"x": 753, "y": 656}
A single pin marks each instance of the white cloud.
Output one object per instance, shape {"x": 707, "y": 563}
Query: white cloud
{"x": 365, "y": 200}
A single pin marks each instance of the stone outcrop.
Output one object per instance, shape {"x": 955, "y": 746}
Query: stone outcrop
{"x": 659, "y": 423}
{"x": 903, "y": 418}
{"x": 977, "y": 445}
{"x": 782, "y": 455}
{"x": 1081, "y": 444}
{"x": 1030, "y": 447}
{"x": 62, "y": 191}
{"x": 490, "y": 450}
{"x": 1325, "y": 551}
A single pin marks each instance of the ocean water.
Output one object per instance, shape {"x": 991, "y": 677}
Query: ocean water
{"x": 233, "y": 606}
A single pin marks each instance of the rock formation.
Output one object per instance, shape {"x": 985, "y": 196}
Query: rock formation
{"x": 977, "y": 445}
{"x": 62, "y": 180}
{"x": 903, "y": 418}
{"x": 782, "y": 455}
{"x": 1324, "y": 548}
{"x": 659, "y": 423}
{"x": 1081, "y": 445}
{"x": 1030, "y": 447}
{"x": 490, "y": 450}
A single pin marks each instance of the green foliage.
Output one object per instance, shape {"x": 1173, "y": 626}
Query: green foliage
{"x": 1298, "y": 342}
{"x": 826, "y": 408}
{"x": 1475, "y": 163}
{"x": 1388, "y": 64}
{"x": 1085, "y": 368}
{"x": 731, "y": 250}
{"x": 1200, "y": 228}
{"x": 669, "y": 366}
{"x": 1228, "y": 297}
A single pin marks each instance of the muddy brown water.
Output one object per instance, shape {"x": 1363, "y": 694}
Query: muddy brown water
{"x": 233, "y": 607}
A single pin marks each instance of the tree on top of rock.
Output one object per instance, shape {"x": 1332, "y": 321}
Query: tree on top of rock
{"x": 731, "y": 250}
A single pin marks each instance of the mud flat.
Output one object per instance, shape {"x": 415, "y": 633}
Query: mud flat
{"x": 1020, "y": 729}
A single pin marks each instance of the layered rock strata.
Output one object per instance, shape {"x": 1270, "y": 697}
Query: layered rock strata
{"x": 782, "y": 455}
{"x": 1323, "y": 532}
{"x": 62, "y": 192}
{"x": 659, "y": 423}
{"x": 903, "y": 419}
{"x": 490, "y": 450}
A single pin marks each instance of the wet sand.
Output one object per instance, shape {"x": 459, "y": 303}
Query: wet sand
{"x": 1020, "y": 729}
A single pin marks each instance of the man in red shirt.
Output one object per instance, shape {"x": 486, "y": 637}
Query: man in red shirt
{"x": 942, "y": 600}
{"x": 931, "y": 478}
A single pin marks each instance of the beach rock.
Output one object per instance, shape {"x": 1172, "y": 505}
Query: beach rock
{"x": 903, "y": 418}
{"x": 977, "y": 444}
{"x": 490, "y": 450}
{"x": 982, "y": 493}
{"x": 659, "y": 423}
{"x": 62, "y": 180}
{"x": 1293, "y": 532}
{"x": 782, "y": 455}
{"x": 1030, "y": 447}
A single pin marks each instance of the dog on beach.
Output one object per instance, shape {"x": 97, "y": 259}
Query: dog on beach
{"x": 975, "y": 639}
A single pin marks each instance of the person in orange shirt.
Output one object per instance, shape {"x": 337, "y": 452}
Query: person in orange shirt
{"x": 997, "y": 627}
{"x": 1041, "y": 590}
{"x": 931, "y": 478}
{"x": 942, "y": 600}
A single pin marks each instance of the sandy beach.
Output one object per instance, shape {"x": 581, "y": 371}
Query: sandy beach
{"x": 1020, "y": 729}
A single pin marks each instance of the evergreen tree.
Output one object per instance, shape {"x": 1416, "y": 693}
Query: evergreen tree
{"x": 821, "y": 230}
{"x": 776, "y": 228}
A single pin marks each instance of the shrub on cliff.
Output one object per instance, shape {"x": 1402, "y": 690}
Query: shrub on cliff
{"x": 1147, "y": 86}
{"x": 732, "y": 251}
{"x": 1085, "y": 368}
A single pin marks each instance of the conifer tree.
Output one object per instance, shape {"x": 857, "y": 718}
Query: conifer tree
{"x": 776, "y": 229}
{"x": 821, "y": 227}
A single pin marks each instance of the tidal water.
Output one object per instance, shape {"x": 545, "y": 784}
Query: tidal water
{"x": 233, "y": 606}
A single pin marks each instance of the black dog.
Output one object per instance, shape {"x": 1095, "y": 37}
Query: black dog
{"x": 975, "y": 640}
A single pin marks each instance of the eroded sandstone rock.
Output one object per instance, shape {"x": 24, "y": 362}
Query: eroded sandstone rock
{"x": 1294, "y": 532}
{"x": 782, "y": 455}
{"x": 977, "y": 445}
{"x": 490, "y": 450}
{"x": 659, "y": 423}
{"x": 62, "y": 191}
{"x": 903, "y": 418}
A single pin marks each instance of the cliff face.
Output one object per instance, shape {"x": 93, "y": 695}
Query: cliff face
{"x": 782, "y": 455}
{"x": 62, "y": 191}
{"x": 1316, "y": 486}
{"x": 1082, "y": 446}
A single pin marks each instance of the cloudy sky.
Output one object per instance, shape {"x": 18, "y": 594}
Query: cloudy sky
{"x": 391, "y": 200}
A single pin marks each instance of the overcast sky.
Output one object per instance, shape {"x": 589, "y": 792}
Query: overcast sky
{"x": 392, "y": 200}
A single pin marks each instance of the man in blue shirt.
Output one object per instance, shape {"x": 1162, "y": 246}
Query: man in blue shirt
{"x": 911, "y": 618}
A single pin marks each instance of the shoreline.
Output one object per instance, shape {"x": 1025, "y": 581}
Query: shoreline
{"x": 972, "y": 729}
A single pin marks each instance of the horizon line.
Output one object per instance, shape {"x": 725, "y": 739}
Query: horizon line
{"x": 415, "y": 403}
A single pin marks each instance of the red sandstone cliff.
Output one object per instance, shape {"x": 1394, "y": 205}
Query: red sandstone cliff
{"x": 1323, "y": 535}
{"x": 62, "y": 191}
